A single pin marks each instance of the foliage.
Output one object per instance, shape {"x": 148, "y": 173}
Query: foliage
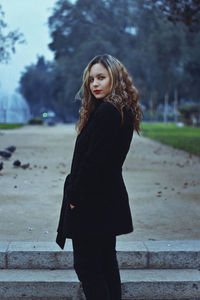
{"x": 79, "y": 32}
{"x": 188, "y": 111}
{"x": 184, "y": 11}
{"x": 35, "y": 121}
{"x": 157, "y": 56}
{"x": 153, "y": 116}
{"x": 8, "y": 40}
{"x": 162, "y": 59}
{"x": 186, "y": 138}
{"x": 35, "y": 86}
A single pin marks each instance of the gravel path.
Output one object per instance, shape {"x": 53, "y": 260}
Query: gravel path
{"x": 162, "y": 183}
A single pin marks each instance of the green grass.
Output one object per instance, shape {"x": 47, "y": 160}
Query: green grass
{"x": 186, "y": 138}
{"x": 10, "y": 125}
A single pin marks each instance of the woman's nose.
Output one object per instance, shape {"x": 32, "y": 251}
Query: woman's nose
{"x": 95, "y": 82}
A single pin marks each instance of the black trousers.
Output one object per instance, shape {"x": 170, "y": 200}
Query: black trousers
{"x": 96, "y": 266}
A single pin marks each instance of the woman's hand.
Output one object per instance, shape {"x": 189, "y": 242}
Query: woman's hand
{"x": 71, "y": 206}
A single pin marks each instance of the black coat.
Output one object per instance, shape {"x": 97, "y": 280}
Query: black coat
{"x": 95, "y": 184}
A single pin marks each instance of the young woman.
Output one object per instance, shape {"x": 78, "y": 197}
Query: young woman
{"x": 95, "y": 206}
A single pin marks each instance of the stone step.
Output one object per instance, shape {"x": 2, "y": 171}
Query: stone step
{"x": 175, "y": 254}
{"x": 136, "y": 284}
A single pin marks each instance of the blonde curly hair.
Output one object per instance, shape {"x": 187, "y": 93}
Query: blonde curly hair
{"x": 123, "y": 93}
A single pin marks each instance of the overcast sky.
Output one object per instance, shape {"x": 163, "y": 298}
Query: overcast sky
{"x": 30, "y": 17}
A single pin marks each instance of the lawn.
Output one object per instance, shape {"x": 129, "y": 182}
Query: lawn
{"x": 186, "y": 138}
{"x": 10, "y": 125}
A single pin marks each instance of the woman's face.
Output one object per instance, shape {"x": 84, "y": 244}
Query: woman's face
{"x": 100, "y": 81}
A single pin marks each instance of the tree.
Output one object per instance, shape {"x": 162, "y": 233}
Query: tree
{"x": 163, "y": 59}
{"x": 8, "y": 40}
{"x": 35, "y": 86}
{"x": 186, "y": 11}
{"x": 79, "y": 32}
{"x": 157, "y": 54}
{"x": 191, "y": 64}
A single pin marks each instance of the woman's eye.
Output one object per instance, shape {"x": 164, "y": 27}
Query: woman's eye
{"x": 91, "y": 80}
{"x": 101, "y": 77}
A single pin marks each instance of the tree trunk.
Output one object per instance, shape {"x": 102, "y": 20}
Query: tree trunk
{"x": 165, "y": 115}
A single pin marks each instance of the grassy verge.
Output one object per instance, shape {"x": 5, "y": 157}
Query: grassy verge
{"x": 10, "y": 125}
{"x": 186, "y": 138}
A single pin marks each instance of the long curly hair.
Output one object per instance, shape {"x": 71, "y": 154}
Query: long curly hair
{"x": 123, "y": 93}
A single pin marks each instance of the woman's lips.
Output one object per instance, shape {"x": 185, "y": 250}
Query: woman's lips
{"x": 97, "y": 91}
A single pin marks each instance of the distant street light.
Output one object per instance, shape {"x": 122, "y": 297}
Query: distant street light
{"x": 44, "y": 115}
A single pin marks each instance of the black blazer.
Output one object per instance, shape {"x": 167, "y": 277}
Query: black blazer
{"x": 95, "y": 184}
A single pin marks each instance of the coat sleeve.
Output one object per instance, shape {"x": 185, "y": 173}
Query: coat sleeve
{"x": 97, "y": 159}
{"x": 62, "y": 211}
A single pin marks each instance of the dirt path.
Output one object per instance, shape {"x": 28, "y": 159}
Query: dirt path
{"x": 162, "y": 183}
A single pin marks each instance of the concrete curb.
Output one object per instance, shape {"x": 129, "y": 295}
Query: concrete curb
{"x": 171, "y": 254}
{"x": 63, "y": 284}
